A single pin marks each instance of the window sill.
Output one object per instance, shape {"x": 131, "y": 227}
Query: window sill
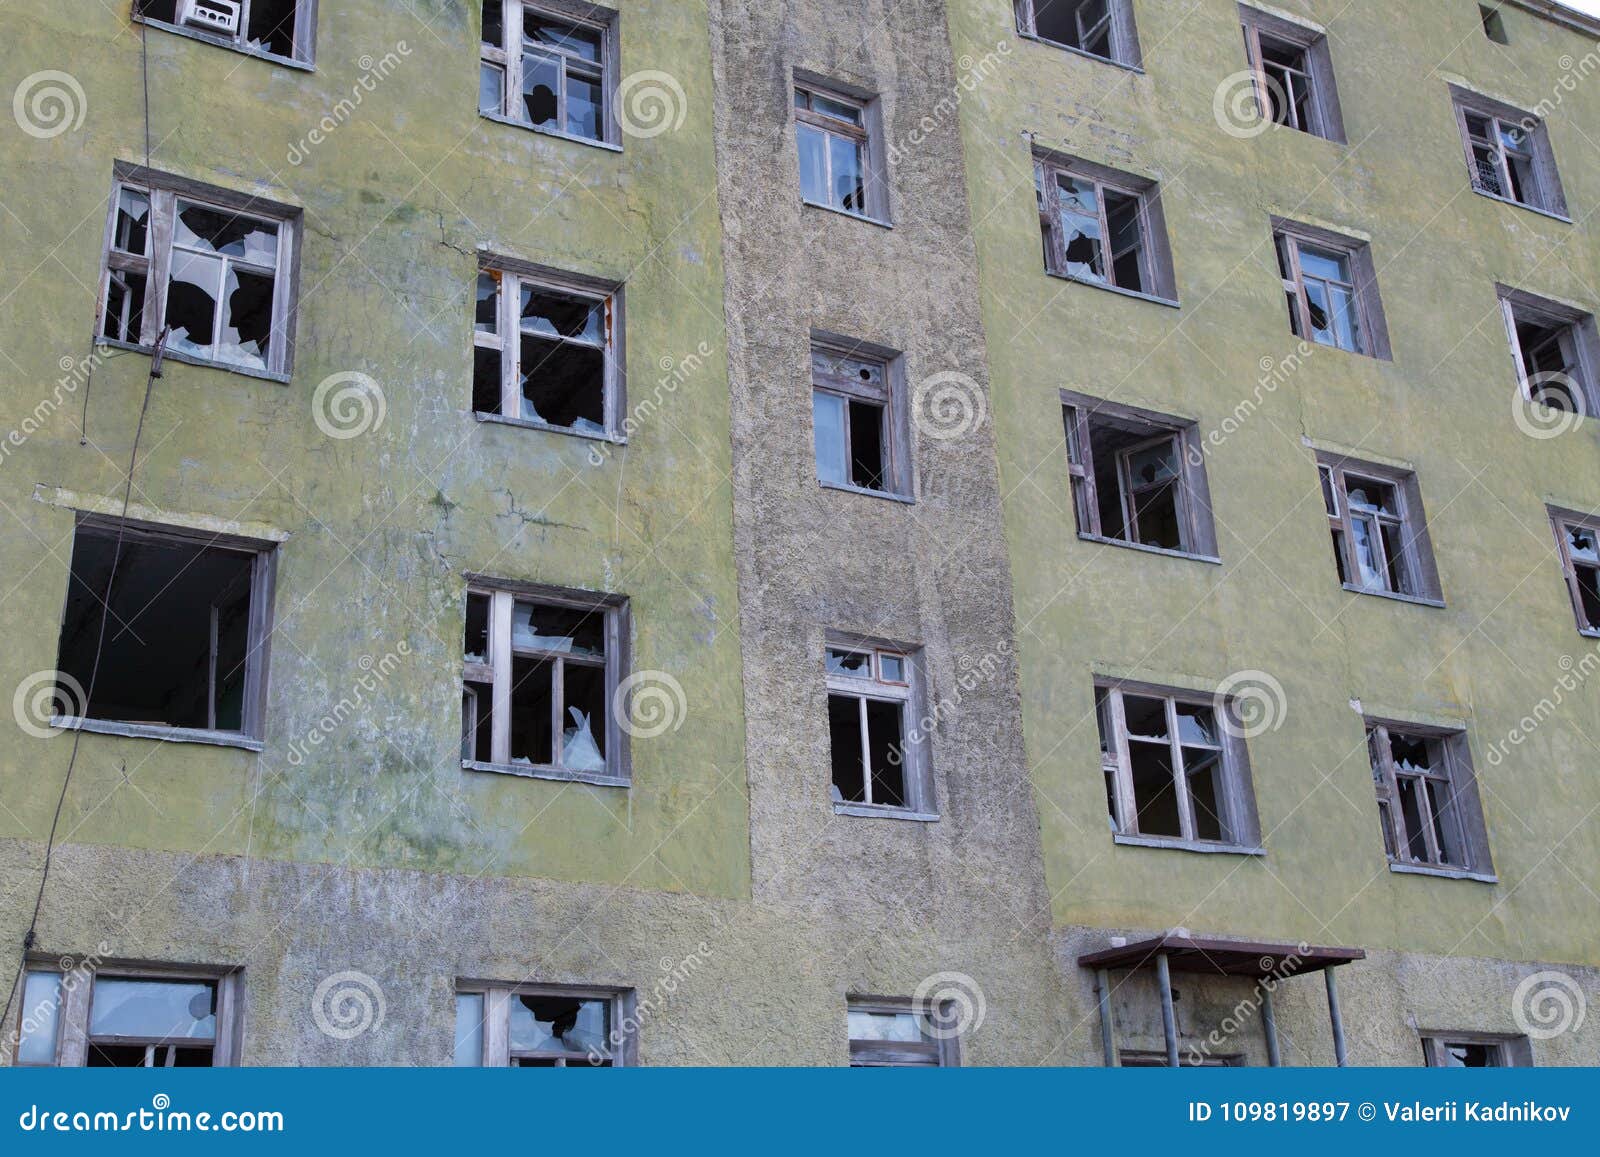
{"x": 1177, "y": 845}
{"x": 1589, "y": 632}
{"x": 872, "y": 811}
{"x": 157, "y": 732}
{"x": 1141, "y": 547}
{"x": 598, "y": 779}
{"x": 1395, "y": 596}
{"x": 1170, "y": 303}
{"x": 878, "y": 221}
{"x": 887, "y": 495}
{"x": 173, "y": 355}
{"x": 530, "y": 424}
{"x": 501, "y": 119}
{"x": 1059, "y": 47}
{"x": 205, "y": 37}
{"x": 1444, "y": 873}
{"x": 1550, "y": 213}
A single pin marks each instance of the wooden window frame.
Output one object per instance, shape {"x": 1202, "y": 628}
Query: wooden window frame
{"x": 1512, "y": 1049}
{"x": 496, "y": 1029}
{"x": 867, "y": 137}
{"x": 1582, "y": 339}
{"x": 508, "y": 58}
{"x": 1459, "y": 808}
{"x": 1155, "y": 257}
{"x": 1417, "y": 561}
{"x": 1325, "y": 117}
{"x": 496, "y": 673}
{"x": 305, "y": 33}
{"x": 75, "y": 995}
{"x": 1371, "y": 327}
{"x": 263, "y": 584}
{"x": 1234, "y": 789}
{"x": 163, "y": 192}
{"x": 1549, "y": 197}
{"x": 1124, "y": 33}
{"x": 511, "y": 277}
{"x": 942, "y": 1051}
{"x": 909, "y": 695}
{"x": 888, "y": 392}
{"x": 1560, "y": 521}
{"x": 1196, "y": 522}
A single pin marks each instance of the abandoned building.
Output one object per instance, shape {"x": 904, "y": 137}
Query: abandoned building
{"x": 891, "y": 532}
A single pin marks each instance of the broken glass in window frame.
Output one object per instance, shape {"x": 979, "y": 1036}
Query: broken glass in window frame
{"x": 571, "y": 51}
{"x": 833, "y": 141}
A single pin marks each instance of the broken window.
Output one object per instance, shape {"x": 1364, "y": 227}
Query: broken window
{"x": 877, "y": 749}
{"x": 1578, "y": 539}
{"x": 1379, "y": 541}
{"x": 1330, "y": 289}
{"x": 212, "y": 271}
{"x": 1101, "y": 28}
{"x": 1172, "y": 767}
{"x": 860, "y": 434}
{"x": 1102, "y": 228}
{"x": 264, "y": 27}
{"x": 138, "y": 1018}
{"x": 1294, "y": 74}
{"x": 838, "y": 161}
{"x": 1556, "y": 351}
{"x": 539, "y": 681}
{"x": 180, "y": 641}
{"x": 527, "y": 1026}
{"x": 901, "y": 1034}
{"x": 1508, "y": 153}
{"x": 1494, "y": 24}
{"x": 1137, "y": 478}
{"x": 1475, "y": 1051}
{"x": 545, "y": 351}
{"x": 550, "y": 70}
{"x": 1427, "y": 803}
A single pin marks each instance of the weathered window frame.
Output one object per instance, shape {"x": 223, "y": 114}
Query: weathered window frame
{"x": 1234, "y": 789}
{"x": 263, "y": 581}
{"x": 1196, "y": 522}
{"x": 866, "y": 137}
{"x": 1419, "y": 573}
{"x": 1547, "y": 196}
{"x": 305, "y": 33}
{"x": 495, "y": 1028}
{"x": 509, "y": 55}
{"x": 163, "y": 191}
{"x": 1155, "y": 254}
{"x": 1124, "y": 33}
{"x": 1323, "y": 117}
{"x": 496, "y": 672}
{"x": 1510, "y": 1050}
{"x": 1564, "y": 523}
{"x": 937, "y": 1049}
{"x": 1370, "y": 329}
{"x": 74, "y": 1000}
{"x": 1459, "y": 813}
{"x": 909, "y": 696}
{"x": 831, "y": 356}
{"x": 510, "y": 277}
{"x": 1580, "y": 347}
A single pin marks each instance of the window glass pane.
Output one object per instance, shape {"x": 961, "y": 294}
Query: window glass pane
{"x": 1080, "y": 229}
{"x": 1581, "y": 542}
{"x": 1321, "y": 313}
{"x": 1373, "y": 573}
{"x": 491, "y": 89}
{"x": 1346, "y": 319}
{"x": 892, "y": 668}
{"x": 585, "y": 703}
{"x": 132, "y": 231}
{"x": 813, "y": 163}
{"x": 584, "y": 43}
{"x": 556, "y": 314}
{"x": 901, "y": 1027}
{"x": 1324, "y": 265}
{"x": 469, "y": 1030}
{"x": 192, "y": 290}
{"x": 827, "y": 414}
{"x": 159, "y": 1009}
{"x": 836, "y": 109}
{"x": 1127, "y": 240}
{"x": 554, "y": 1023}
{"x": 246, "y": 338}
{"x": 1196, "y": 725}
{"x": 230, "y": 234}
{"x": 41, "y": 1015}
{"x": 541, "y": 79}
{"x": 1411, "y": 755}
{"x": 854, "y": 663}
{"x": 849, "y": 188}
{"x": 486, "y": 314}
{"x": 563, "y": 384}
{"x": 569, "y": 630}
{"x": 583, "y": 107}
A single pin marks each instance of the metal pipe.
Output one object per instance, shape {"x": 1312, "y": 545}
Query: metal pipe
{"x": 1108, "y": 1031}
{"x": 1338, "y": 1020}
{"x": 1169, "y": 1019}
{"x": 1269, "y": 1025}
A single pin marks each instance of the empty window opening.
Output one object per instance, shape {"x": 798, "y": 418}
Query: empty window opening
{"x": 1171, "y": 769}
{"x": 867, "y": 699}
{"x": 838, "y": 160}
{"x": 181, "y": 633}
{"x": 1475, "y": 1051}
{"x": 217, "y": 279}
{"x": 1376, "y": 523}
{"x": 274, "y": 27}
{"x": 538, "y": 683}
{"x": 547, "y": 70}
{"x": 900, "y": 1034}
{"x": 1425, "y": 802}
{"x": 1102, "y": 232}
{"x": 1136, "y": 479}
{"x": 540, "y": 1028}
{"x": 859, "y": 436}
{"x": 545, "y": 353}
{"x": 1578, "y": 538}
{"x": 1494, "y": 24}
{"x": 1100, "y": 28}
{"x": 1555, "y": 350}
{"x": 1293, "y": 68}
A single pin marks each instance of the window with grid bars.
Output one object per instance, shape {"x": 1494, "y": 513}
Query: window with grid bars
{"x": 542, "y": 1027}
{"x": 1380, "y": 543}
{"x": 840, "y": 164}
{"x": 1557, "y": 352}
{"x": 1102, "y": 227}
{"x": 877, "y": 748}
{"x": 894, "y": 1034}
{"x": 549, "y": 67}
{"x": 1331, "y": 290}
{"x": 115, "y": 1017}
{"x": 1103, "y": 29}
{"x": 859, "y": 428}
{"x": 1294, "y": 74}
{"x": 1427, "y": 802}
{"x": 1508, "y": 153}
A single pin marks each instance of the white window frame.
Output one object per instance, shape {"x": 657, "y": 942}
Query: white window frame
{"x": 1124, "y": 38}
{"x": 496, "y": 1029}
{"x": 908, "y": 695}
{"x": 74, "y": 1000}
{"x": 508, "y": 58}
{"x": 1546, "y": 194}
{"x": 1459, "y": 811}
{"x": 942, "y": 1050}
{"x": 511, "y": 278}
{"x": 1579, "y": 344}
{"x": 496, "y": 672}
{"x": 1323, "y": 117}
{"x": 1420, "y": 581}
{"x": 865, "y": 136}
{"x": 163, "y": 194}
{"x": 305, "y": 33}
{"x": 1155, "y": 257}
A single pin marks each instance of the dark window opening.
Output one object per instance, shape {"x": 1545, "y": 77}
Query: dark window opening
{"x": 531, "y": 699}
{"x": 866, "y": 446}
{"x": 1082, "y": 24}
{"x": 844, "y": 731}
{"x": 887, "y": 760}
{"x": 1494, "y": 24}
{"x": 563, "y": 384}
{"x": 272, "y": 25}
